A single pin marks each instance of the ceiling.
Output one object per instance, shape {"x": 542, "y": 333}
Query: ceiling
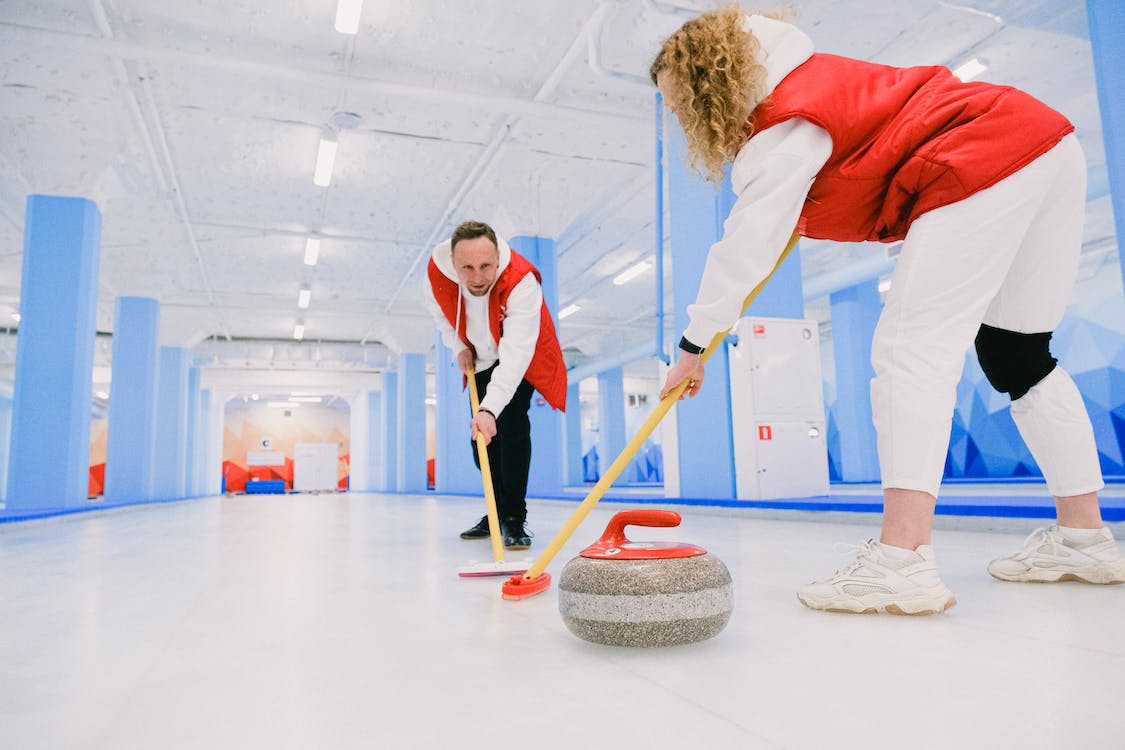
{"x": 194, "y": 125}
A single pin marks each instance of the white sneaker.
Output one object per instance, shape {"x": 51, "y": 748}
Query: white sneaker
{"x": 875, "y": 582}
{"x": 1047, "y": 556}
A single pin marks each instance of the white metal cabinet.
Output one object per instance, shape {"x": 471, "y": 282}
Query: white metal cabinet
{"x": 777, "y": 410}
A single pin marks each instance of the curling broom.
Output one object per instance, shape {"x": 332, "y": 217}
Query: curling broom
{"x": 535, "y": 580}
{"x": 498, "y": 566}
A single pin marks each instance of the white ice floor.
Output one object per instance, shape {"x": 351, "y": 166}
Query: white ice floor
{"x": 338, "y": 621}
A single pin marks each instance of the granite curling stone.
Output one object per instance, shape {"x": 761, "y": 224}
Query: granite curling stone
{"x": 624, "y": 593}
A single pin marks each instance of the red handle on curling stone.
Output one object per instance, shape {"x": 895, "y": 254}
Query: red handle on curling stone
{"x": 613, "y": 544}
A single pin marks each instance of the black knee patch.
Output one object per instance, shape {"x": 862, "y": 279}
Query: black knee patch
{"x": 1014, "y": 362}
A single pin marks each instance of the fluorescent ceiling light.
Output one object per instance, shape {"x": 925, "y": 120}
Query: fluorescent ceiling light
{"x": 303, "y": 298}
{"x": 312, "y": 251}
{"x": 884, "y": 285}
{"x": 569, "y": 310}
{"x": 347, "y": 16}
{"x": 281, "y": 405}
{"x": 631, "y": 273}
{"x": 304, "y": 399}
{"x": 971, "y": 69}
{"x": 299, "y": 331}
{"x": 325, "y": 158}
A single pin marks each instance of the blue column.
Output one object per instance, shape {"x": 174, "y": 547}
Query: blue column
{"x": 49, "y": 463}
{"x": 411, "y": 471}
{"x": 855, "y": 311}
{"x": 1107, "y": 42}
{"x": 376, "y": 439}
{"x": 359, "y": 448}
{"x": 706, "y": 453}
{"x": 5, "y": 443}
{"x": 389, "y": 414}
{"x": 131, "y": 438}
{"x": 454, "y": 471}
{"x": 574, "y": 476}
{"x": 171, "y": 424}
{"x": 209, "y": 435}
{"x": 611, "y": 418}
{"x": 541, "y": 252}
{"x": 191, "y": 488}
{"x": 547, "y": 425}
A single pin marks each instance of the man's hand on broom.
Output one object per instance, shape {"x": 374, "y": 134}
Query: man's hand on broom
{"x": 688, "y": 367}
{"x": 485, "y": 424}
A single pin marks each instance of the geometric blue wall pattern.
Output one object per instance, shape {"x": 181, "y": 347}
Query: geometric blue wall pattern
{"x": 1090, "y": 344}
{"x": 984, "y": 442}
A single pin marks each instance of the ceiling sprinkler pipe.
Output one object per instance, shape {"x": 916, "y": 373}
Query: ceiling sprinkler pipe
{"x": 853, "y": 273}
{"x": 598, "y": 366}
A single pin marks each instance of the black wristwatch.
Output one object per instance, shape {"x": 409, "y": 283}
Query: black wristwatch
{"x": 689, "y": 347}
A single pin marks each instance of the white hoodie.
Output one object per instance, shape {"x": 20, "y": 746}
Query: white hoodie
{"x": 521, "y": 326}
{"x": 771, "y": 176}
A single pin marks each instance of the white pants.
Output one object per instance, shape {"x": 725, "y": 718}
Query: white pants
{"x": 1006, "y": 256}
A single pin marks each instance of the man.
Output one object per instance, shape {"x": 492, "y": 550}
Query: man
{"x": 488, "y": 304}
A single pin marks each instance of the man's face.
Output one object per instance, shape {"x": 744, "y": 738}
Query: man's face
{"x": 476, "y": 262}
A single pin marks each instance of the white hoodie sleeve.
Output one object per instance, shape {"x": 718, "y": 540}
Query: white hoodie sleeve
{"x": 517, "y": 344}
{"x": 449, "y": 337}
{"x": 771, "y": 175}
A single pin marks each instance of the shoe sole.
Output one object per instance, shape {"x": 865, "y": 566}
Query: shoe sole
{"x": 890, "y": 609}
{"x": 1098, "y": 578}
{"x": 473, "y": 536}
{"x": 517, "y": 547}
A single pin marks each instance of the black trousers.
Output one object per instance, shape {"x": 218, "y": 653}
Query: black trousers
{"x": 509, "y": 453}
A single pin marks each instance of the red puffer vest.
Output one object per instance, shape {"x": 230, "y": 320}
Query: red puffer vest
{"x": 547, "y": 371}
{"x": 904, "y": 141}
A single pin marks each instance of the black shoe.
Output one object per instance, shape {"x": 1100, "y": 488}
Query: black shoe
{"x": 516, "y": 535}
{"x": 480, "y": 531}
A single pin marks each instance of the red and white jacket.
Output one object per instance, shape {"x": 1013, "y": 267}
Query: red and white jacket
{"x": 853, "y": 151}
{"x": 511, "y": 324}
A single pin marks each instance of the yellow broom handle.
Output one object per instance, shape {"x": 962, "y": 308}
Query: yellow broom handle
{"x": 638, "y": 440}
{"x": 486, "y": 475}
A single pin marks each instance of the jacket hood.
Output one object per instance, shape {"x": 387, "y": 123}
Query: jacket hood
{"x": 784, "y": 47}
{"x": 443, "y": 258}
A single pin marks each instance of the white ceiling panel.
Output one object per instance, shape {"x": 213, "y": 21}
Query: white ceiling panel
{"x": 194, "y": 126}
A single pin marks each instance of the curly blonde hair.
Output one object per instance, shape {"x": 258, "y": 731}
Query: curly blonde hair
{"x": 713, "y": 82}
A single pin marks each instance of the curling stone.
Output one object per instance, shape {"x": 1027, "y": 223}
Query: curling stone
{"x": 624, "y": 593}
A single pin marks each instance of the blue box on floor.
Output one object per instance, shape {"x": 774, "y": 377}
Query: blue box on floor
{"x": 266, "y": 487}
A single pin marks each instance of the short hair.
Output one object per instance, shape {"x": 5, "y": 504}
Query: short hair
{"x": 470, "y": 230}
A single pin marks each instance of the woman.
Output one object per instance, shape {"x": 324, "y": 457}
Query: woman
{"x": 985, "y": 186}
